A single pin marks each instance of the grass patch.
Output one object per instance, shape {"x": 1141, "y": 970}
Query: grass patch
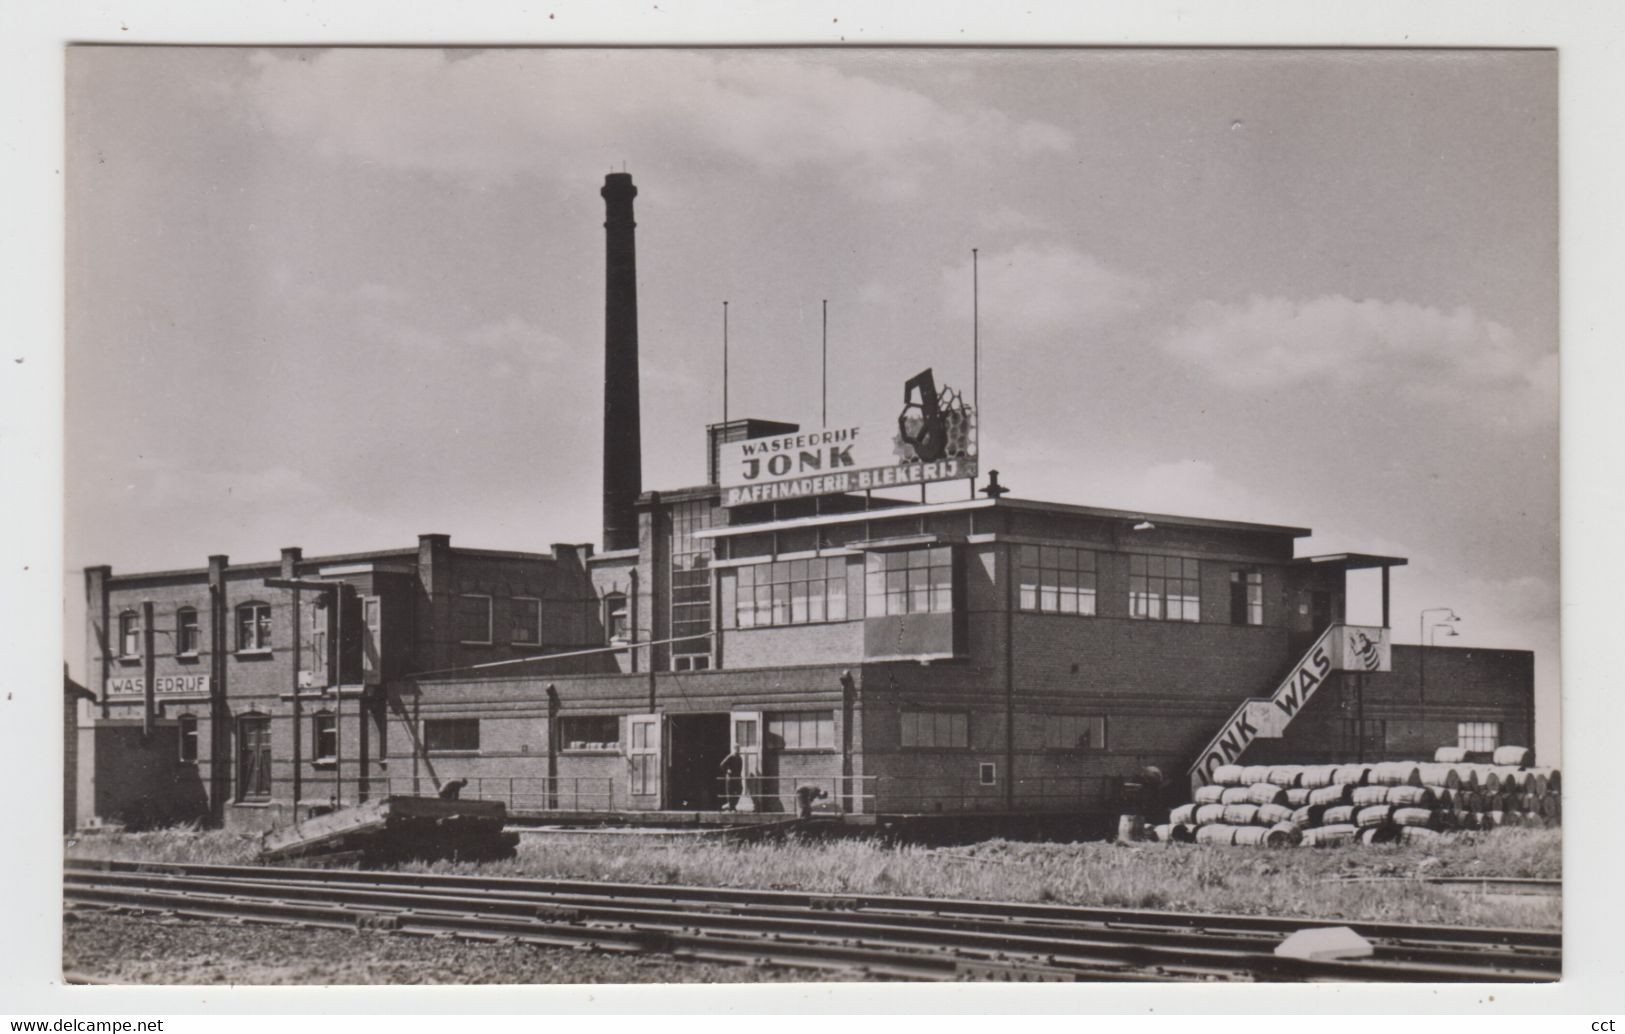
{"x": 1176, "y": 877}
{"x": 177, "y": 844}
{"x": 1173, "y": 877}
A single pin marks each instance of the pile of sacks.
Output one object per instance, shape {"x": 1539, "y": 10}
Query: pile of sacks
{"x": 1324, "y": 805}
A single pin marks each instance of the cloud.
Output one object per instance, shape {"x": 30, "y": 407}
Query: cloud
{"x": 1044, "y": 290}
{"x": 1427, "y": 354}
{"x": 559, "y": 112}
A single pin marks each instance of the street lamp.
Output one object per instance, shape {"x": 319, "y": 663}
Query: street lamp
{"x": 1433, "y": 633}
{"x": 1421, "y": 643}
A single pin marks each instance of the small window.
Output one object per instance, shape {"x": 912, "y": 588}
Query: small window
{"x": 616, "y": 625}
{"x": 471, "y": 613}
{"x": 942, "y": 730}
{"x": 129, "y": 634}
{"x": 1074, "y": 732}
{"x": 187, "y": 725}
{"x": 451, "y": 734}
{"x": 987, "y": 774}
{"x": 186, "y": 632}
{"x": 253, "y": 627}
{"x": 324, "y": 737}
{"x": 1246, "y": 598}
{"x": 1478, "y": 737}
{"x": 525, "y": 626}
{"x": 691, "y": 662}
{"x": 801, "y": 730}
{"x": 590, "y": 732}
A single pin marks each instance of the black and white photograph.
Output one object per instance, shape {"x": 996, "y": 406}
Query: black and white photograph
{"x": 669, "y": 515}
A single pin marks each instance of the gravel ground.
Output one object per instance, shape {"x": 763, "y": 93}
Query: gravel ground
{"x": 150, "y": 949}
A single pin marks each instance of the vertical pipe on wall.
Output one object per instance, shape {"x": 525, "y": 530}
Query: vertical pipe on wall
{"x": 1009, "y": 681}
{"x": 219, "y": 713}
{"x": 149, "y": 669}
{"x": 298, "y": 742}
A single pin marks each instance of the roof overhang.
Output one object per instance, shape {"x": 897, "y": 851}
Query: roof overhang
{"x": 923, "y": 509}
{"x": 1352, "y": 561}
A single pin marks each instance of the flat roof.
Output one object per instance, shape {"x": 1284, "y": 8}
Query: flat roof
{"x": 329, "y": 559}
{"x": 1031, "y": 505}
{"x": 1354, "y": 561}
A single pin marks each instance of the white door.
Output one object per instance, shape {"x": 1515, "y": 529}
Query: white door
{"x": 747, "y": 743}
{"x": 645, "y": 760}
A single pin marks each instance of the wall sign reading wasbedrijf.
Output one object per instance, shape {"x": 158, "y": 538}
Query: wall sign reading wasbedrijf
{"x": 163, "y": 685}
{"x": 934, "y": 440}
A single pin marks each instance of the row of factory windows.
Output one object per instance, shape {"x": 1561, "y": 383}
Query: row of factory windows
{"x": 800, "y": 730}
{"x": 1050, "y": 579}
{"x": 792, "y": 730}
{"x": 471, "y": 612}
{"x": 785, "y": 731}
{"x": 253, "y": 627}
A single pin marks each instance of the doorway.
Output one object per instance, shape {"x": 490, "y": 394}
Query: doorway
{"x": 699, "y": 742}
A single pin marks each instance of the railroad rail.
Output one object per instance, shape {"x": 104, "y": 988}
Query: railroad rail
{"x": 884, "y": 936}
{"x": 1513, "y": 885}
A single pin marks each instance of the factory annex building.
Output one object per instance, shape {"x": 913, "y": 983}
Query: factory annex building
{"x": 988, "y": 655}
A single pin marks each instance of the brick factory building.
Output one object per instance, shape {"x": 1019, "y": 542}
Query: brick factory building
{"x": 778, "y": 627}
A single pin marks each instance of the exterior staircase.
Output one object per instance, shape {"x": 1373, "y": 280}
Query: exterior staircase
{"x": 1356, "y": 648}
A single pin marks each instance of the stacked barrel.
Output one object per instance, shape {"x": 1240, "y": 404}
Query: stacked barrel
{"x": 1385, "y": 802}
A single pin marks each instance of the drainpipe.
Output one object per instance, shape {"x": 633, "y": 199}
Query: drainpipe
{"x": 848, "y": 693}
{"x": 149, "y": 669}
{"x": 552, "y": 746}
{"x": 632, "y": 618}
{"x": 1009, "y": 686}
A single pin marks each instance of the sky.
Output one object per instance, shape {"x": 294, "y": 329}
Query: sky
{"x": 339, "y": 298}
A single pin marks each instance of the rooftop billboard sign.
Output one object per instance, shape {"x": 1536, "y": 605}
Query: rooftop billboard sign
{"x": 934, "y": 440}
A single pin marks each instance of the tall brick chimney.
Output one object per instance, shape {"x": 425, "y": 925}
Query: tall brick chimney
{"x": 623, "y": 444}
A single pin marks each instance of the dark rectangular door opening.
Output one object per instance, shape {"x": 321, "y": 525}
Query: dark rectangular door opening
{"x": 699, "y": 742}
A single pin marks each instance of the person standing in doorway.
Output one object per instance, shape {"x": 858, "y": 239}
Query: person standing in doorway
{"x": 733, "y": 770}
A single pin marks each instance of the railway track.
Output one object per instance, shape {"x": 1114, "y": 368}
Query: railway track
{"x": 882, "y": 936}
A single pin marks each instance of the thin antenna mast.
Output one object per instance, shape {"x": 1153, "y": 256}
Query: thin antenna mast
{"x": 976, "y": 357}
{"x": 724, "y": 362}
{"x": 826, "y": 363}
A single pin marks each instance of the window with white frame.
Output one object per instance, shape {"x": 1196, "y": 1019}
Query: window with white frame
{"x": 1074, "y": 732}
{"x": 941, "y": 730}
{"x": 253, "y": 627}
{"x": 441, "y": 735}
{"x": 617, "y": 628}
{"x": 1478, "y": 737}
{"x": 186, "y": 632}
{"x": 909, "y": 581}
{"x": 1246, "y": 598}
{"x": 324, "y": 737}
{"x": 1164, "y": 588}
{"x": 129, "y": 634}
{"x": 792, "y": 592}
{"x": 471, "y": 618}
{"x": 801, "y": 730}
{"x": 1056, "y": 579}
{"x": 525, "y": 621}
{"x": 187, "y": 731}
{"x": 590, "y": 732}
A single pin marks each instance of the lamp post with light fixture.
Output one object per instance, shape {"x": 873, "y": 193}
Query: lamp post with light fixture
{"x": 1422, "y": 643}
